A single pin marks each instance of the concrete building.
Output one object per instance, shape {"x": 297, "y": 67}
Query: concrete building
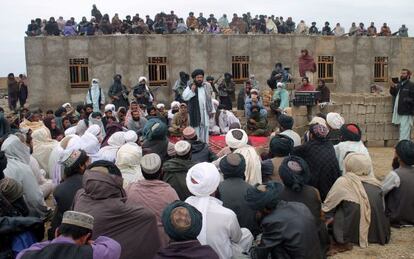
{"x": 58, "y": 67}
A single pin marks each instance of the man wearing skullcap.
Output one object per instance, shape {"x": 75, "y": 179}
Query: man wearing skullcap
{"x": 280, "y": 146}
{"x": 180, "y": 121}
{"x": 289, "y": 229}
{"x": 334, "y": 122}
{"x": 74, "y": 163}
{"x": 399, "y": 185}
{"x": 294, "y": 173}
{"x": 73, "y": 240}
{"x": 356, "y": 205}
{"x": 175, "y": 169}
{"x": 350, "y": 142}
{"x": 220, "y": 228}
{"x": 197, "y": 95}
{"x": 182, "y": 222}
{"x": 232, "y": 190}
{"x": 102, "y": 196}
{"x": 285, "y": 127}
{"x": 200, "y": 152}
{"x": 152, "y": 193}
{"x": 319, "y": 153}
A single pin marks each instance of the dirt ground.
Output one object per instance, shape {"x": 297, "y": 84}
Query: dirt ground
{"x": 402, "y": 240}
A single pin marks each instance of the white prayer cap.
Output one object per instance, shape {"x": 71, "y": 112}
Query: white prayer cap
{"x": 130, "y": 136}
{"x": 182, "y": 147}
{"x": 151, "y": 163}
{"x": 94, "y": 130}
{"x": 78, "y": 219}
{"x": 234, "y": 142}
{"x": 203, "y": 179}
{"x": 335, "y": 120}
{"x": 66, "y": 105}
{"x": 160, "y": 105}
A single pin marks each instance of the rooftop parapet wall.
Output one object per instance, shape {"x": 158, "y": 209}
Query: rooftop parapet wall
{"x": 47, "y": 59}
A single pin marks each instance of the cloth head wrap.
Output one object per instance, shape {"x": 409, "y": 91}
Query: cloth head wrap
{"x": 130, "y": 136}
{"x": 294, "y": 172}
{"x": 11, "y": 189}
{"x": 335, "y": 120}
{"x": 197, "y": 72}
{"x": 203, "y": 179}
{"x": 281, "y": 145}
{"x": 95, "y": 130}
{"x": 236, "y": 138}
{"x": 285, "y": 121}
{"x": 233, "y": 165}
{"x": 405, "y": 151}
{"x": 351, "y": 132}
{"x": 318, "y": 120}
{"x": 259, "y": 197}
{"x": 181, "y": 221}
{"x": 155, "y": 129}
{"x": 357, "y": 163}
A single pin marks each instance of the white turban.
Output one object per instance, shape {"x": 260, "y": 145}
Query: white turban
{"x": 335, "y": 120}
{"x": 94, "y": 130}
{"x": 318, "y": 120}
{"x": 160, "y": 105}
{"x": 130, "y": 136}
{"x": 142, "y": 78}
{"x": 175, "y": 103}
{"x": 232, "y": 142}
{"x": 117, "y": 139}
{"x": 70, "y": 131}
{"x": 203, "y": 179}
{"x": 110, "y": 107}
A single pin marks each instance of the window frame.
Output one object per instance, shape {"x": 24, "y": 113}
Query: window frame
{"x": 78, "y": 70}
{"x": 381, "y": 64}
{"x": 325, "y": 64}
{"x": 157, "y": 67}
{"x": 240, "y": 68}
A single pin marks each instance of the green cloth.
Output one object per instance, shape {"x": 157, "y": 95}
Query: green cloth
{"x": 175, "y": 171}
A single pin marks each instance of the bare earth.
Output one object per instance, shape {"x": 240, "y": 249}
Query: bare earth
{"x": 402, "y": 240}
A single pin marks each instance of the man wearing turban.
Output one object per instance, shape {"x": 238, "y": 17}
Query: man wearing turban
{"x": 182, "y": 222}
{"x": 200, "y": 105}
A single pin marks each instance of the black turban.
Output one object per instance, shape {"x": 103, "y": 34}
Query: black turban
{"x": 233, "y": 165}
{"x": 209, "y": 78}
{"x": 182, "y": 222}
{"x": 96, "y": 114}
{"x": 197, "y": 72}
{"x": 294, "y": 172}
{"x": 350, "y": 132}
{"x": 285, "y": 121}
{"x": 112, "y": 168}
{"x": 405, "y": 151}
{"x": 60, "y": 111}
{"x": 259, "y": 197}
{"x": 280, "y": 146}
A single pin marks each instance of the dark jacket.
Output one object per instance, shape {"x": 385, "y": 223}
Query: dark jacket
{"x": 406, "y": 98}
{"x": 175, "y": 171}
{"x": 288, "y": 232}
{"x": 186, "y": 250}
{"x": 200, "y": 152}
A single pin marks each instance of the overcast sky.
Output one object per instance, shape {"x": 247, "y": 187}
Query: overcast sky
{"x": 16, "y": 14}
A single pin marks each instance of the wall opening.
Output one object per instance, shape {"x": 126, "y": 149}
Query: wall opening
{"x": 381, "y": 69}
{"x": 157, "y": 71}
{"x": 326, "y": 68}
{"x": 79, "y": 72}
{"x": 240, "y": 68}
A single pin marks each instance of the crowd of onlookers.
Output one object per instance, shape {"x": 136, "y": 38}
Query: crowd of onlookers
{"x": 172, "y": 24}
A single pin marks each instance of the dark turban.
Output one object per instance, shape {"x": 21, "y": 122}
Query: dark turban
{"x": 285, "y": 121}
{"x": 111, "y": 167}
{"x": 11, "y": 189}
{"x": 294, "y": 172}
{"x": 155, "y": 129}
{"x": 350, "y": 132}
{"x": 233, "y": 165}
{"x": 259, "y": 197}
{"x": 59, "y": 112}
{"x": 405, "y": 151}
{"x": 209, "y": 78}
{"x": 319, "y": 131}
{"x": 280, "y": 146}
{"x": 197, "y": 72}
{"x": 182, "y": 222}
{"x": 96, "y": 114}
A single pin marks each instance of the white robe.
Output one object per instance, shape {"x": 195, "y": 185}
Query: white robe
{"x": 343, "y": 148}
{"x": 227, "y": 118}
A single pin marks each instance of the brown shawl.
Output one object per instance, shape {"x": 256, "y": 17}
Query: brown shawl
{"x": 133, "y": 226}
{"x": 306, "y": 63}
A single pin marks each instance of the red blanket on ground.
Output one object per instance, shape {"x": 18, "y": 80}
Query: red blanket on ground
{"x": 216, "y": 143}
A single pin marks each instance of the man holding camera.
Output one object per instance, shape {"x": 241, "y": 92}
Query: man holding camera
{"x": 403, "y": 113}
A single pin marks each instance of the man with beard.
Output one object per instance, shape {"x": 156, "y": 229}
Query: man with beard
{"x": 179, "y": 122}
{"x": 118, "y": 92}
{"x": 200, "y": 104}
{"x": 12, "y": 91}
{"x": 137, "y": 123}
{"x": 180, "y": 85}
{"x": 403, "y": 113}
{"x": 226, "y": 90}
{"x": 210, "y": 79}
{"x": 257, "y": 125}
{"x": 142, "y": 92}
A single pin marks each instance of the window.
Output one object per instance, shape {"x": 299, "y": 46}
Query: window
{"x": 326, "y": 68}
{"x": 79, "y": 72}
{"x": 240, "y": 68}
{"x": 381, "y": 69}
{"x": 157, "y": 71}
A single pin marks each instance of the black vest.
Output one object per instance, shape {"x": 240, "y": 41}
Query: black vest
{"x": 61, "y": 251}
